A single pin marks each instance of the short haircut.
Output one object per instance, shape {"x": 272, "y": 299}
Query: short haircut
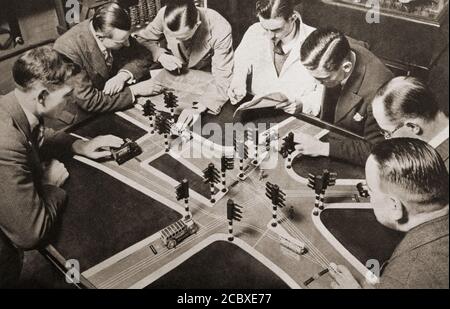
{"x": 180, "y": 13}
{"x": 405, "y": 98}
{"x": 45, "y": 65}
{"x": 414, "y": 167}
{"x": 270, "y": 9}
{"x": 325, "y": 48}
{"x": 111, "y": 16}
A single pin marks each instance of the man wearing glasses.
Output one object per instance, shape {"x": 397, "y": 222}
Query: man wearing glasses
{"x": 404, "y": 107}
{"x": 197, "y": 38}
{"x": 111, "y": 62}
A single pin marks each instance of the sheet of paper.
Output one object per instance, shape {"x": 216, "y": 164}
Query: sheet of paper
{"x": 267, "y": 101}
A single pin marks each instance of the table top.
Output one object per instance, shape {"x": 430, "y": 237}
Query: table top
{"x": 115, "y": 212}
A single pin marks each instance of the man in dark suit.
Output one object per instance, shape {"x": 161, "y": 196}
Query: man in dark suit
{"x": 30, "y": 189}
{"x": 405, "y": 107}
{"x": 408, "y": 184}
{"x": 352, "y": 76}
{"x": 111, "y": 62}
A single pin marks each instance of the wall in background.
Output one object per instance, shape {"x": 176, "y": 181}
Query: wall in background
{"x": 410, "y": 45}
{"x": 38, "y": 21}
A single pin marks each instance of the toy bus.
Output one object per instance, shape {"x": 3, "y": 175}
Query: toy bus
{"x": 172, "y": 235}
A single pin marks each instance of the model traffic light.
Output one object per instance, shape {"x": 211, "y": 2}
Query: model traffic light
{"x": 234, "y": 212}
{"x": 278, "y": 198}
{"x": 211, "y": 176}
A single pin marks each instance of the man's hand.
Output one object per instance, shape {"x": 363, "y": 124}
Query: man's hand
{"x": 237, "y": 93}
{"x": 290, "y": 107}
{"x": 116, "y": 83}
{"x": 310, "y": 146}
{"x": 97, "y": 148}
{"x": 343, "y": 278}
{"x": 147, "y": 88}
{"x": 187, "y": 118}
{"x": 170, "y": 63}
{"x": 54, "y": 173}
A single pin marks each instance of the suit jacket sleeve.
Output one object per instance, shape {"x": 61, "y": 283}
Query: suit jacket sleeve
{"x": 243, "y": 58}
{"x": 27, "y": 214}
{"x": 86, "y": 96}
{"x": 57, "y": 144}
{"x": 222, "y": 60}
{"x": 221, "y": 65}
{"x": 151, "y": 36}
{"x": 135, "y": 59}
{"x": 357, "y": 151}
{"x": 94, "y": 100}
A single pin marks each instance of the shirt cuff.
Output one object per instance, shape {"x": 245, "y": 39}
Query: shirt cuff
{"x": 133, "y": 96}
{"x": 132, "y": 80}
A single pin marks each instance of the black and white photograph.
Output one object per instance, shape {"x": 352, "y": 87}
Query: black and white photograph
{"x": 218, "y": 145}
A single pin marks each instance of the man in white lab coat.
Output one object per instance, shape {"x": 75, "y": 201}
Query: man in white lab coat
{"x": 270, "y": 55}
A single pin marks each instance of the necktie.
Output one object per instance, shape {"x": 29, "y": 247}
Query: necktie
{"x": 108, "y": 59}
{"x": 279, "y": 57}
{"x": 332, "y": 96}
{"x": 184, "y": 52}
{"x": 38, "y": 134}
{"x": 278, "y": 49}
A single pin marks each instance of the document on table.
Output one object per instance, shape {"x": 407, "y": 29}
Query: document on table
{"x": 267, "y": 101}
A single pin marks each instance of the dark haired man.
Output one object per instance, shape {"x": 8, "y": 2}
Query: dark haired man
{"x": 31, "y": 197}
{"x": 111, "y": 62}
{"x": 270, "y": 54}
{"x": 197, "y": 38}
{"x": 408, "y": 184}
{"x": 404, "y": 107}
{"x": 352, "y": 76}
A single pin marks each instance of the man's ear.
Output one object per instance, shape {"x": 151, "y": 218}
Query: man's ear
{"x": 347, "y": 66}
{"x": 100, "y": 36}
{"x": 42, "y": 96}
{"x": 397, "y": 209}
{"x": 415, "y": 128}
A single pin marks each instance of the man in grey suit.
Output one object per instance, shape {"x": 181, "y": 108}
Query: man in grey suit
{"x": 30, "y": 190}
{"x": 352, "y": 76}
{"x": 195, "y": 38}
{"x": 408, "y": 184}
{"x": 111, "y": 61}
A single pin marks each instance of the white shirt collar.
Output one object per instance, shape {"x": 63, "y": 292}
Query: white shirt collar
{"x": 439, "y": 138}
